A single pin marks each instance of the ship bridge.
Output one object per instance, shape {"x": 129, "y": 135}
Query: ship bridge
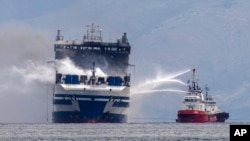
{"x": 113, "y": 56}
{"x": 93, "y": 41}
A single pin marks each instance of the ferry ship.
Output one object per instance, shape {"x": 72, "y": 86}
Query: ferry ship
{"x": 92, "y": 98}
{"x": 198, "y": 109}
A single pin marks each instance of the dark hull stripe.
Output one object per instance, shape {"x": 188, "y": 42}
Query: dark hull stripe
{"x": 120, "y": 104}
{"x": 75, "y": 117}
{"x": 82, "y": 103}
{"x": 62, "y": 102}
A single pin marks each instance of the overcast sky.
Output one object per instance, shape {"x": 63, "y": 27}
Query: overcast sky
{"x": 167, "y": 36}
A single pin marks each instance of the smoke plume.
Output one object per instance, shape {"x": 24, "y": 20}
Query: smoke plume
{"x": 24, "y": 74}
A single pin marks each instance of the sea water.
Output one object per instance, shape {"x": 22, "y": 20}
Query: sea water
{"x": 115, "y": 132}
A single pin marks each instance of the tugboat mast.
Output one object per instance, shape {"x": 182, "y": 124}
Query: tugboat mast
{"x": 194, "y": 82}
{"x": 207, "y": 89}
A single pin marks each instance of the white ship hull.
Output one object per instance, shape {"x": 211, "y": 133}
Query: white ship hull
{"x": 86, "y": 103}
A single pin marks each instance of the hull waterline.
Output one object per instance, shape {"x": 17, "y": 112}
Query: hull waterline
{"x": 192, "y": 116}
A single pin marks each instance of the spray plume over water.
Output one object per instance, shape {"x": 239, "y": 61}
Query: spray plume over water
{"x": 152, "y": 85}
{"x": 155, "y": 97}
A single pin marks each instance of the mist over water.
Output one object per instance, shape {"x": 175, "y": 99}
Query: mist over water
{"x": 24, "y": 73}
{"x": 152, "y": 85}
{"x": 157, "y": 98}
{"x": 160, "y": 90}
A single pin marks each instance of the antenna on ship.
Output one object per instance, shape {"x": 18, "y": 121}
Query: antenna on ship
{"x": 93, "y": 78}
{"x": 207, "y": 89}
{"x": 100, "y": 32}
{"x": 94, "y": 33}
{"x": 93, "y": 70}
{"x": 193, "y": 81}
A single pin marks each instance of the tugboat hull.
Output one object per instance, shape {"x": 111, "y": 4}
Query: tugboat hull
{"x": 192, "y": 116}
{"x": 195, "y": 116}
{"x": 197, "y": 109}
{"x": 221, "y": 117}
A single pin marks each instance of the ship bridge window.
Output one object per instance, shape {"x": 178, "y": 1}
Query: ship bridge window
{"x": 113, "y": 49}
{"x": 114, "y": 81}
{"x": 191, "y": 100}
{"x": 96, "y": 48}
{"x": 107, "y": 49}
{"x": 71, "y": 79}
{"x": 101, "y": 80}
{"x": 83, "y": 79}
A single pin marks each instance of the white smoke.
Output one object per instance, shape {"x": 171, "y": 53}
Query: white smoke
{"x": 24, "y": 73}
{"x": 34, "y": 71}
{"x": 67, "y": 66}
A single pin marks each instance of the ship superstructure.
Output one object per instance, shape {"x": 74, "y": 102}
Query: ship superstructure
{"x": 197, "y": 109}
{"x": 92, "y": 97}
{"x": 213, "y": 112}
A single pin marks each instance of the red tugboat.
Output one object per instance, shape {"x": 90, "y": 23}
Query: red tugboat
{"x": 197, "y": 109}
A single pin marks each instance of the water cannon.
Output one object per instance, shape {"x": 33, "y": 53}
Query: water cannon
{"x": 193, "y": 70}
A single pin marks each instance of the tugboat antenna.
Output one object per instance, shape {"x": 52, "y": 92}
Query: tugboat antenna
{"x": 206, "y": 88}
{"x": 193, "y": 81}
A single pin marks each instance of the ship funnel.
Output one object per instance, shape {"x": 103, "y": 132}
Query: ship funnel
{"x": 58, "y": 36}
{"x": 124, "y": 38}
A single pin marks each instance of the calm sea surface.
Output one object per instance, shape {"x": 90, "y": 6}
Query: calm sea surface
{"x": 115, "y": 132}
